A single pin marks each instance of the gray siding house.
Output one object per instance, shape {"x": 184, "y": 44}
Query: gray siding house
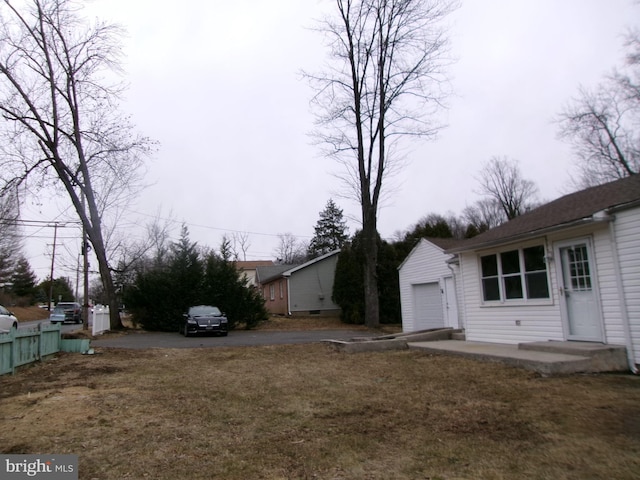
{"x": 300, "y": 289}
{"x": 311, "y": 286}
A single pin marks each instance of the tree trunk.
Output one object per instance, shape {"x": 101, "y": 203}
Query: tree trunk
{"x": 370, "y": 249}
{"x": 94, "y": 232}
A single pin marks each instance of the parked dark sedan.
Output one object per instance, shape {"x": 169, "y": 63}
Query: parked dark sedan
{"x": 204, "y": 319}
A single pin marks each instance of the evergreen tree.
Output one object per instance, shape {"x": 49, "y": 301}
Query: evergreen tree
{"x": 165, "y": 287}
{"x": 225, "y": 288}
{"x": 330, "y": 231}
{"x": 23, "y": 279}
{"x": 186, "y": 269}
{"x": 348, "y": 290}
{"x": 61, "y": 292}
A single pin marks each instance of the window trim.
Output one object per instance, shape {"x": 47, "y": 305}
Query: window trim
{"x": 503, "y": 301}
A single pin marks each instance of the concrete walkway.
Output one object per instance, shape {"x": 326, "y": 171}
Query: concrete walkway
{"x": 547, "y": 358}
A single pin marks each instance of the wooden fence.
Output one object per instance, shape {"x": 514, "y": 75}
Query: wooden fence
{"x": 21, "y": 346}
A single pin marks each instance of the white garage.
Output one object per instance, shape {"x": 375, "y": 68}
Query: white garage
{"x": 427, "y": 289}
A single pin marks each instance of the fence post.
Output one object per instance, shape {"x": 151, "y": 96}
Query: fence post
{"x": 14, "y": 350}
{"x": 40, "y": 342}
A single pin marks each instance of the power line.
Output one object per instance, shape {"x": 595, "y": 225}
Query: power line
{"x": 231, "y": 230}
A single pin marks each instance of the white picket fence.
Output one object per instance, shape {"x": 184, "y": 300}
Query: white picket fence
{"x": 100, "y": 319}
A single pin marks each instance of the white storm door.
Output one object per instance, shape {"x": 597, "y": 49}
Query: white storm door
{"x": 578, "y": 292}
{"x": 451, "y": 304}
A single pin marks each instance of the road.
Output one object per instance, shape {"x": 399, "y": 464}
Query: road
{"x": 66, "y": 327}
{"x": 236, "y": 338}
{"x": 239, "y": 338}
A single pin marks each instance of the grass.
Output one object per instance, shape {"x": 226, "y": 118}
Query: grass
{"x": 309, "y": 412}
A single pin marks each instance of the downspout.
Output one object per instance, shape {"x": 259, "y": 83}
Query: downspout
{"x": 288, "y": 296}
{"x": 455, "y": 287}
{"x": 623, "y": 303}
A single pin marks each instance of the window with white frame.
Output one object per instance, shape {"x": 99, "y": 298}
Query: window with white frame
{"x": 272, "y": 292}
{"x": 515, "y": 275}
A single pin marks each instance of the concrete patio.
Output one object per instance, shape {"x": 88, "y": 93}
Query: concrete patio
{"x": 546, "y": 358}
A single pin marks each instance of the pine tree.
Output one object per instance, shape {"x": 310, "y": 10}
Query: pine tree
{"x": 23, "y": 279}
{"x": 330, "y": 231}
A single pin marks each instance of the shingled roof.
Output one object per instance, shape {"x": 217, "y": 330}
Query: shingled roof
{"x": 573, "y": 209}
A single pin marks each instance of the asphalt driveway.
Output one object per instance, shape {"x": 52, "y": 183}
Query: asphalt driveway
{"x": 240, "y": 338}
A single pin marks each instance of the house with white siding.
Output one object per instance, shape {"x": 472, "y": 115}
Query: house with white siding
{"x": 568, "y": 270}
{"x": 428, "y": 290}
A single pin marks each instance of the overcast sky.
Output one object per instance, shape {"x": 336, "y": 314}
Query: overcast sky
{"x": 218, "y": 85}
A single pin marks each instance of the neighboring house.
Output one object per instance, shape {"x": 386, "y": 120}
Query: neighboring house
{"x": 273, "y": 284}
{"x": 568, "y": 270}
{"x": 427, "y": 287}
{"x": 300, "y": 290}
{"x": 248, "y": 269}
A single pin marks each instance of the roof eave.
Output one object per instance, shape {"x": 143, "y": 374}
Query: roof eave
{"x": 533, "y": 233}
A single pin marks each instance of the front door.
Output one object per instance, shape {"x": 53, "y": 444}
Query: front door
{"x": 578, "y": 292}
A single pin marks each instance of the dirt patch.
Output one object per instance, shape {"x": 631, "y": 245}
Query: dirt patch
{"x": 29, "y": 314}
{"x": 306, "y": 411}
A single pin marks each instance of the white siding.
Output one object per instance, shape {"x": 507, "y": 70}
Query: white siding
{"x": 506, "y": 323}
{"x": 425, "y": 264}
{"x": 609, "y": 295}
{"x": 627, "y": 228}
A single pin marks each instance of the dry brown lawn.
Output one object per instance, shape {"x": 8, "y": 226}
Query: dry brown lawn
{"x": 27, "y": 314}
{"x": 308, "y": 412}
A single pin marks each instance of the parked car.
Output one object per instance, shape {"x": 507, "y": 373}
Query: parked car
{"x": 57, "y": 315}
{"x": 204, "y": 319}
{"x": 72, "y": 311}
{"x": 7, "y": 320}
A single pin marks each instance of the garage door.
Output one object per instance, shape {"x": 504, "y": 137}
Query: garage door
{"x": 427, "y": 303}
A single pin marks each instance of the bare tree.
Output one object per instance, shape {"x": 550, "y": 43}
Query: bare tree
{"x": 602, "y": 123}
{"x": 290, "y": 249}
{"x": 62, "y": 124}
{"x": 240, "y": 245}
{"x": 500, "y": 179}
{"x": 10, "y": 241}
{"x": 486, "y": 213}
{"x": 385, "y": 83}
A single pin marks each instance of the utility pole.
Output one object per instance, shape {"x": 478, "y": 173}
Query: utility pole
{"x": 53, "y": 259}
{"x": 85, "y": 253}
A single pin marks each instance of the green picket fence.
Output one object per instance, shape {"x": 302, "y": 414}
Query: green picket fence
{"x": 26, "y": 345}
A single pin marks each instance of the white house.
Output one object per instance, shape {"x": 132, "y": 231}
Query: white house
{"x": 428, "y": 294}
{"x": 568, "y": 270}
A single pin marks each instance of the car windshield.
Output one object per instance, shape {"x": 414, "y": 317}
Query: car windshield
{"x": 203, "y": 310}
{"x": 58, "y": 310}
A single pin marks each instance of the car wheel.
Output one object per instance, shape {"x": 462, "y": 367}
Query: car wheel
{"x": 15, "y": 325}
{"x": 186, "y": 330}
{"x": 224, "y": 334}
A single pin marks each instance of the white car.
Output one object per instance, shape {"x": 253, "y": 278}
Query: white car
{"x": 7, "y": 320}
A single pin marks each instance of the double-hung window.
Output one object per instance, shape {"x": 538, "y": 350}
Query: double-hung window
{"x": 515, "y": 275}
